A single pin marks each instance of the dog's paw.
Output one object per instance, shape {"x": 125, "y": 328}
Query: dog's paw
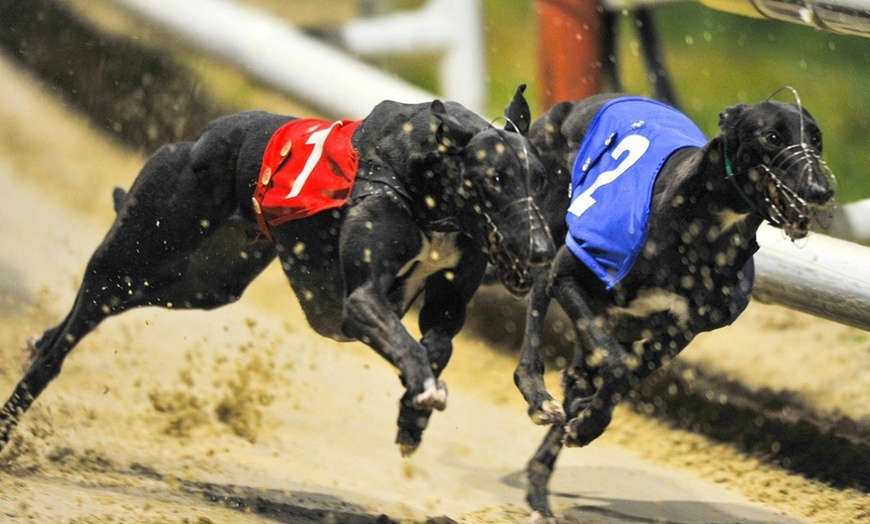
{"x": 588, "y": 426}
{"x": 549, "y": 412}
{"x": 434, "y": 395}
{"x": 407, "y": 449}
{"x": 412, "y": 422}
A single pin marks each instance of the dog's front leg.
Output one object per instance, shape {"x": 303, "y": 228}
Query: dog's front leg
{"x": 372, "y": 260}
{"x": 601, "y": 366}
{"x": 412, "y": 418}
{"x": 441, "y": 318}
{"x": 540, "y": 468}
{"x": 529, "y": 374}
{"x": 368, "y": 317}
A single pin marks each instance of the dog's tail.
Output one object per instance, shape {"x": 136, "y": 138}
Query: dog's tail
{"x": 118, "y": 198}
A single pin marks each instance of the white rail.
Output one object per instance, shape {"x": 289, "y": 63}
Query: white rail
{"x": 851, "y": 222}
{"x": 822, "y": 275}
{"x": 451, "y": 27}
{"x": 280, "y": 55}
{"x": 849, "y": 17}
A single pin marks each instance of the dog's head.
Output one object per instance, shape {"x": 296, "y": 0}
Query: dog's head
{"x": 500, "y": 168}
{"x": 773, "y": 156}
{"x": 461, "y": 171}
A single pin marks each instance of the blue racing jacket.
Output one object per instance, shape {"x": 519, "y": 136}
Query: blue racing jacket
{"x": 625, "y": 147}
{"x": 620, "y": 157}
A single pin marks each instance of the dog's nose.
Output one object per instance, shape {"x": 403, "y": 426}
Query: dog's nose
{"x": 822, "y": 193}
{"x": 819, "y": 190}
{"x": 543, "y": 250}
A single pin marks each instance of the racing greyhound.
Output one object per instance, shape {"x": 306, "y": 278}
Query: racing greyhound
{"x": 656, "y": 245}
{"x": 365, "y": 216}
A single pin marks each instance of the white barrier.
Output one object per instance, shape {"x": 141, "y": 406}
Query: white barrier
{"x": 851, "y": 222}
{"x": 280, "y": 55}
{"x": 822, "y": 275}
{"x": 452, "y": 27}
{"x": 847, "y": 17}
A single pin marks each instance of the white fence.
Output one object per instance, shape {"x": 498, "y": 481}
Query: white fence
{"x": 279, "y": 55}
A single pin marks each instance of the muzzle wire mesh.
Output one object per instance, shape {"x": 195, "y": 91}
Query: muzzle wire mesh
{"x": 814, "y": 170}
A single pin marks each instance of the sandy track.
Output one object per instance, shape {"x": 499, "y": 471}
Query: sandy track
{"x": 158, "y": 413}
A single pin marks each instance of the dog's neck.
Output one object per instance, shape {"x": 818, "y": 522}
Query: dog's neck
{"x": 699, "y": 186}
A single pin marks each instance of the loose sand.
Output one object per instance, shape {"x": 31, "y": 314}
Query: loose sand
{"x": 157, "y": 414}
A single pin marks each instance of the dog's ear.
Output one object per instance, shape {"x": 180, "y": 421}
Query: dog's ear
{"x": 517, "y": 112}
{"x": 437, "y": 107}
{"x": 450, "y": 132}
{"x": 730, "y": 115}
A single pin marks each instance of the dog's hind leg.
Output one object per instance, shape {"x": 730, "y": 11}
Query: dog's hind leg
{"x": 172, "y": 245}
{"x": 47, "y": 355}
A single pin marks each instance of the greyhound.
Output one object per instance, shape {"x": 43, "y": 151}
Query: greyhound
{"x": 412, "y": 199}
{"x": 656, "y": 245}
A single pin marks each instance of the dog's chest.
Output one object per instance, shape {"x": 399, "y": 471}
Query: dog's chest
{"x": 650, "y": 302}
{"x": 438, "y": 251}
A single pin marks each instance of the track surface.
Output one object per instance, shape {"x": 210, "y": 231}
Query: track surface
{"x": 245, "y": 415}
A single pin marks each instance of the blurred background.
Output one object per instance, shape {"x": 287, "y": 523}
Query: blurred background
{"x": 713, "y": 58}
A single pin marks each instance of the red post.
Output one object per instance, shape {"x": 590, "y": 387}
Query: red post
{"x": 569, "y": 49}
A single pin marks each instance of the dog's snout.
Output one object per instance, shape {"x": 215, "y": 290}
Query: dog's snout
{"x": 543, "y": 249}
{"x": 820, "y": 193}
{"x": 820, "y": 189}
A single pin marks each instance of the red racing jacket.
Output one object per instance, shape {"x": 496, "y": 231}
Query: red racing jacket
{"x": 309, "y": 166}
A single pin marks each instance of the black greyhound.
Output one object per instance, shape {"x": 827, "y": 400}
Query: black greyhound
{"x": 689, "y": 268}
{"x": 439, "y": 193}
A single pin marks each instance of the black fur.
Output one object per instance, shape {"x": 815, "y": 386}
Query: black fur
{"x": 702, "y": 232}
{"x": 439, "y": 193}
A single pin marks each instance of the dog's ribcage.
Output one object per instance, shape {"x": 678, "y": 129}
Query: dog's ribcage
{"x": 689, "y": 285}
{"x": 649, "y": 302}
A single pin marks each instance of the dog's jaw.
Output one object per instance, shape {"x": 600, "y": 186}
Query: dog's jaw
{"x": 513, "y": 274}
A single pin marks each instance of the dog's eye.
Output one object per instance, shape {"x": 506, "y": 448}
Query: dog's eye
{"x": 494, "y": 177}
{"x": 771, "y": 138}
{"x": 816, "y": 140}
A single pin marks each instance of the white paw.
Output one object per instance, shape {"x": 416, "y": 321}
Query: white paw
{"x": 551, "y": 412}
{"x": 434, "y": 395}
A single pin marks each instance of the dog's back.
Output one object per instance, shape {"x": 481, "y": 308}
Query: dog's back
{"x": 557, "y": 135}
